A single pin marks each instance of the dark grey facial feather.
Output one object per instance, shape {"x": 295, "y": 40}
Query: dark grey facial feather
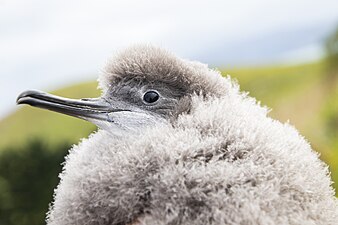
{"x": 173, "y": 100}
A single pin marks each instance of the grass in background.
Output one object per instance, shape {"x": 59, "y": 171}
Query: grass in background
{"x": 28, "y": 176}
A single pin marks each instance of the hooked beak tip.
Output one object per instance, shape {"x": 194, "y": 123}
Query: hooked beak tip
{"x": 25, "y": 96}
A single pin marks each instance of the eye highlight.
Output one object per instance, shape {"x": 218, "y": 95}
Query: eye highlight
{"x": 151, "y": 97}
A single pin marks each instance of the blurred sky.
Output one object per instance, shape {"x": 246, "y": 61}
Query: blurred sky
{"x": 48, "y": 44}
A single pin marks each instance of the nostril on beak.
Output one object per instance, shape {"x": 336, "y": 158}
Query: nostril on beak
{"x": 88, "y": 99}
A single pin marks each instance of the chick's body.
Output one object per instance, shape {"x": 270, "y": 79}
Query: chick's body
{"x": 224, "y": 163}
{"x": 206, "y": 154}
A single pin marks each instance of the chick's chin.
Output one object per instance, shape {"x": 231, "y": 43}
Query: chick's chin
{"x": 128, "y": 123}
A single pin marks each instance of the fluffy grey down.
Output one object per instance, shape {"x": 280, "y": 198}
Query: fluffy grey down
{"x": 217, "y": 158}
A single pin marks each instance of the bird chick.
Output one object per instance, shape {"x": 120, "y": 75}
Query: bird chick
{"x": 180, "y": 144}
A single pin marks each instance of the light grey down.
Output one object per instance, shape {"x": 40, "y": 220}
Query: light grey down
{"x": 204, "y": 153}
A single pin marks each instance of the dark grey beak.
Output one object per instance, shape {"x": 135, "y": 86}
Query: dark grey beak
{"x": 88, "y": 109}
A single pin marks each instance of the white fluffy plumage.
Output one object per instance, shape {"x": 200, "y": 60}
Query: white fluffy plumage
{"x": 224, "y": 161}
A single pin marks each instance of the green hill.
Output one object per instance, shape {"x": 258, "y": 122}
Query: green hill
{"x": 302, "y": 95}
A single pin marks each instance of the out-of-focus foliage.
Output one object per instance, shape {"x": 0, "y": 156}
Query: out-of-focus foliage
{"x": 332, "y": 50}
{"x": 330, "y": 108}
{"x": 331, "y": 115}
{"x": 28, "y": 176}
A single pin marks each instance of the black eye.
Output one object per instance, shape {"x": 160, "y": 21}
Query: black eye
{"x": 151, "y": 96}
